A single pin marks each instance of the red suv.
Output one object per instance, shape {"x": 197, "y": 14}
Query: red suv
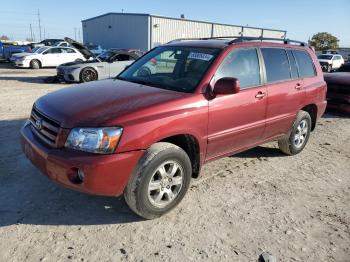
{"x": 147, "y": 132}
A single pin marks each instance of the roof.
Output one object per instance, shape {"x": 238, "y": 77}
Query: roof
{"x": 175, "y": 18}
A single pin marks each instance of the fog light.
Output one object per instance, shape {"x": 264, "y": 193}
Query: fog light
{"x": 81, "y": 175}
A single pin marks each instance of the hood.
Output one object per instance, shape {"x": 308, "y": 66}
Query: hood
{"x": 95, "y": 103}
{"x": 79, "y": 63}
{"x": 80, "y": 47}
{"x": 340, "y": 78}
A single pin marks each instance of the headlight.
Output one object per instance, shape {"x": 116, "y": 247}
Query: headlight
{"x": 102, "y": 140}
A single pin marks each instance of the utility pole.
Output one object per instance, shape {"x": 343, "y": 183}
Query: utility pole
{"x": 31, "y": 32}
{"x": 39, "y": 24}
{"x": 75, "y": 33}
{"x": 79, "y": 37}
{"x": 44, "y": 33}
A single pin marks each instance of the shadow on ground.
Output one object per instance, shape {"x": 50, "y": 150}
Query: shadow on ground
{"x": 28, "y": 197}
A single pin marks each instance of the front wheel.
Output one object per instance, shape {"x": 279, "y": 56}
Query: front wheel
{"x": 160, "y": 181}
{"x": 329, "y": 68}
{"x": 88, "y": 74}
{"x": 35, "y": 64}
{"x": 299, "y": 135}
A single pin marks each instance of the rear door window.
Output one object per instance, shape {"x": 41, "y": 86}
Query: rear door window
{"x": 242, "y": 64}
{"x": 305, "y": 64}
{"x": 276, "y": 64}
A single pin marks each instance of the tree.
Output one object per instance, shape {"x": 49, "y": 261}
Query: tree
{"x": 4, "y": 37}
{"x": 324, "y": 41}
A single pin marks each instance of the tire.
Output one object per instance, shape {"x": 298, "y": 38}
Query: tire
{"x": 148, "y": 192}
{"x": 329, "y": 68}
{"x": 298, "y": 136}
{"x": 35, "y": 64}
{"x": 88, "y": 74}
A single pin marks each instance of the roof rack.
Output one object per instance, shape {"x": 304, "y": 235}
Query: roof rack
{"x": 239, "y": 39}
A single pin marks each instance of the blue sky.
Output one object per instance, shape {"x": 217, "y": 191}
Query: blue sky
{"x": 300, "y": 18}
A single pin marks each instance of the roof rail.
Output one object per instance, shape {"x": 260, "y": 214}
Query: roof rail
{"x": 238, "y": 39}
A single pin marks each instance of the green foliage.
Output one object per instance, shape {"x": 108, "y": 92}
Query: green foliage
{"x": 324, "y": 41}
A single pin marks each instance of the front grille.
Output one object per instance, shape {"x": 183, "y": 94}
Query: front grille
{"x": 45, "y": 128}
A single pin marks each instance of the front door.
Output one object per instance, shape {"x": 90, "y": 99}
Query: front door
{"x": 237, "y": 121}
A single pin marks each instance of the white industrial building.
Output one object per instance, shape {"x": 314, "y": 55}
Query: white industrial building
{"x": 145, "y": 31}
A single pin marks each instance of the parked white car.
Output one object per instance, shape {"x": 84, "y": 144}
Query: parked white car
{"x": 330, "y": 62}
{"x": 49, "y": 56}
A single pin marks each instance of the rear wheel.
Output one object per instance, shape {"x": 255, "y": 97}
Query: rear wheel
{"x": 35, "y": 64}
{"x": 160, "y": 181}
{"x": 88, "y": 74}
{"x": 298, "y": 136}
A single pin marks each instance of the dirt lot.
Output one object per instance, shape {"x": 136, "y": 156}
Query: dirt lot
{"x": 297, "y": 208}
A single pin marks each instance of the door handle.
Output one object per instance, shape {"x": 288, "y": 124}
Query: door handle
{"x": 298, "y": 86}
{"x": 260, "y": 95}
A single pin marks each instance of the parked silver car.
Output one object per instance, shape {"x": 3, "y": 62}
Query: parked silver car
{"x": 106, "y": 65}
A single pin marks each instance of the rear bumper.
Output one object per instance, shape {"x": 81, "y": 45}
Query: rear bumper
{"x": 105, "y": 175}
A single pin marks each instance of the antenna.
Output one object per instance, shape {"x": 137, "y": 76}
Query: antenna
{"x": 31, "y": 32}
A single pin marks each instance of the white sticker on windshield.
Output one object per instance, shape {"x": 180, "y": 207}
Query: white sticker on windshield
{"x": 200, "y": 56}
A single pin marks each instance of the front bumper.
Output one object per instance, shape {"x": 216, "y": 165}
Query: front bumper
{"x": 21, "y": 63}
{"x": 105, "y": 175}
{"x": 72, "y": 76}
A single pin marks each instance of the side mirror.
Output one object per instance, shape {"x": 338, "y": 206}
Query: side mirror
{"x": 227, "y": 86}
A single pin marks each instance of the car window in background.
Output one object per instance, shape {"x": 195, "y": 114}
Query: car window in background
{"x": 242, "y": 64}
{"x": 105, "y": 56}
{"x": 69, "y": 50}
{"x": 326, "y": 57}
{"x": 276, "y": 64}
{"x": 305, "y": 64}
{"x": 53, "y": 51}
{"x": 293, "y": 64}
{"x": 174, "y": 68}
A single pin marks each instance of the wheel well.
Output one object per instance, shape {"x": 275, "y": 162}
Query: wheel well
{"x": 190, "y": 145}
{"x": 312, "y": 110}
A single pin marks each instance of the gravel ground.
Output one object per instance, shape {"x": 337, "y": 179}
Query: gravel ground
{"x": 297, "y": 208}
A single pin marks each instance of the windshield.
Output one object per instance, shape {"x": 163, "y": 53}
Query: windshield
{"x": 41, "y": 49}
{"x": 327, "y": 57}
{"x": 174, "y": 68}
{"x": 105, "y": 56}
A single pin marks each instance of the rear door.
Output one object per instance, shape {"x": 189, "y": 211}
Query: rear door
{"x": 285, "y": 90}
{"x": 237, "y": 121}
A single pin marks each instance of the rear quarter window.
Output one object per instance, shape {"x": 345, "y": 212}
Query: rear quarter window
{"x": 276, "y": 64}
{"x": 305, "y": 65}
